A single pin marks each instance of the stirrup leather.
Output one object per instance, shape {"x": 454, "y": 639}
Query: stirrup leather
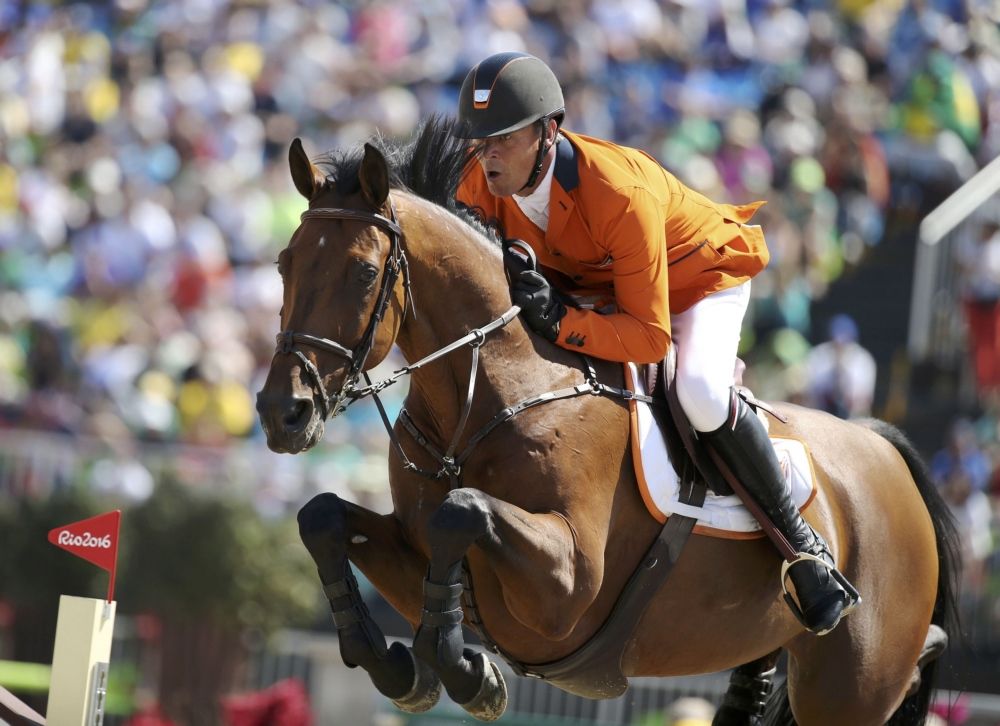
{"x": 853, "y": 596}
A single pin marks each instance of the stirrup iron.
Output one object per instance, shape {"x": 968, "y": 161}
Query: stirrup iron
{"x": 853, "y": 596}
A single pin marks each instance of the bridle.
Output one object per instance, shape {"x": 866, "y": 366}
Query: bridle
{"x": 452, "y": 459}
{"x": 395, "y": 263}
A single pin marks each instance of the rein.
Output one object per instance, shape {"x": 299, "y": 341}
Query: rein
{"x": 396, "y": 263}
{"x": 451, "y": 465}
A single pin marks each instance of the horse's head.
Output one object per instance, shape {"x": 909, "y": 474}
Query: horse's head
{"x": 343, "y": 299}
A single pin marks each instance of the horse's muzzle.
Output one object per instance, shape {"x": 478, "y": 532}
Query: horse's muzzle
{"x": 291, "y": 423}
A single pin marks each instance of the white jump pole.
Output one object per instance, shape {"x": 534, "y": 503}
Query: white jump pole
{"x": 79, "y": 684}
{"x": 80, "y": 661}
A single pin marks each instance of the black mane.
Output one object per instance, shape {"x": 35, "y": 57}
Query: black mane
{"x": 430, "y": 164}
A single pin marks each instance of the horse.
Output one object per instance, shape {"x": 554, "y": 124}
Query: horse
{"x": 516, "y": 510}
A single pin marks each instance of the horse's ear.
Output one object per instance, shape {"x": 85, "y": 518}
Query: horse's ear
{"x": 306, "y": 176}
{"x": 374, "y": 177}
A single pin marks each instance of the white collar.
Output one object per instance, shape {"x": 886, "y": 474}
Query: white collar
{"x": 536, "y": 205}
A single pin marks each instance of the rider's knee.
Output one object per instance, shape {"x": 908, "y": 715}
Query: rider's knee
{"x": 705, "y": 400}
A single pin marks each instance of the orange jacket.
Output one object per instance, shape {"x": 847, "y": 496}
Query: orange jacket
{"x": 619, "y": 227}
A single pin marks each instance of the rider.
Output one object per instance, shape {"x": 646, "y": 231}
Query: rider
{"x": 608, "y": 221}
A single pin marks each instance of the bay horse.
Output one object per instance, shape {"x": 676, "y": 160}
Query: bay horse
{"x": 516, "y": 509}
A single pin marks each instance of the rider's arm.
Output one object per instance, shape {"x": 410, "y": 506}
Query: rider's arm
{"x": 630, "y": 225}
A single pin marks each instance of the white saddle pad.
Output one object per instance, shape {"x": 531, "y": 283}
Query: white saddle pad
{"x": 719, "y": 516}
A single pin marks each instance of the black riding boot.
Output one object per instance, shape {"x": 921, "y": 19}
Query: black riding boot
{"x": 743, "y": 444}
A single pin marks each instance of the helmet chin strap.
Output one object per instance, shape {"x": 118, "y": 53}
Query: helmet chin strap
{"x": 543, "y": 149}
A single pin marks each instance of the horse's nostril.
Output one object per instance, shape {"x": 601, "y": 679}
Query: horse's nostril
{"x": 299, "y": 413}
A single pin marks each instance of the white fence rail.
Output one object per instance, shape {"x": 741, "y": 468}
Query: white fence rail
{"x": 937, "y": 327}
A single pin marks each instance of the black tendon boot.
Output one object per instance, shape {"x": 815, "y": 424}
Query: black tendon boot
{"x": 743, "y": 444}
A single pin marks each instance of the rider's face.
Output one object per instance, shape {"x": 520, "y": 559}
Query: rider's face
{"x": 508, "y": 159}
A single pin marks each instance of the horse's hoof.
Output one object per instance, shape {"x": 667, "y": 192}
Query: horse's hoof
{"x": 934, "y": 647}
{"x": 426, "y": 688}
{"x": 491, "y": 701}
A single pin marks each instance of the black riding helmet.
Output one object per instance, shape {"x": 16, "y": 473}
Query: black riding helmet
{"x": 507, "y": 92}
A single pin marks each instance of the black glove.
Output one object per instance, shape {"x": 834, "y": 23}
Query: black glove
{"x": 517, "y": 257}
{"x": 540, "y": 305}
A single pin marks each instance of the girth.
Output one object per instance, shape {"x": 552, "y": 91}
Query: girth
{"x": 594, "y": 670}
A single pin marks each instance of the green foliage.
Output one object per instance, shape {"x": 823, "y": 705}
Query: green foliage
{"x": 190, "y": 555}
{"x": 34, "y": 573}
{"x": 184, "y": 554}
{"x": 654, "y": 718}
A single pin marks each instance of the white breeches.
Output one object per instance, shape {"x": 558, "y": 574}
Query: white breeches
{"x": 707, "y": 336}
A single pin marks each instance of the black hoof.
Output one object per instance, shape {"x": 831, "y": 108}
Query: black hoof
{"x": 935, "y": 645}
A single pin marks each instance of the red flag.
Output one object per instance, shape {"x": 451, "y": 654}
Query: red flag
{"x": 94, "y": 539}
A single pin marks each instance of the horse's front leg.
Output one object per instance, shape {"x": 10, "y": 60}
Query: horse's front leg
{"x": 521, "y": 547}
{"x": 328, "y": 526}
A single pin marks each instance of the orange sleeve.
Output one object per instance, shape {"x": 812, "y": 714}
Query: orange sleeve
{"x": 631, "y": 226}
{"x": 466, "y": 192}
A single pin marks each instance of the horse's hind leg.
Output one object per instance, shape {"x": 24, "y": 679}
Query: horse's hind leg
{"x": 934, "y": 646}
{"x": 395, "y": 672}
{"x": 746, "y": 698}
{"x": 470, "y": 678}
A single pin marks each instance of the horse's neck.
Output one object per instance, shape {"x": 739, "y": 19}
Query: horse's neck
{"x": 458, "y": 285}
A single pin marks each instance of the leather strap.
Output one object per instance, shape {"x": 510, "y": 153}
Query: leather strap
{"x": 594, "y": 670}
{"x": 442, "y": 592}
{"x": 358, "y": 215}
{"x": 340, "y": 588}
{"x": 438, "y": 619}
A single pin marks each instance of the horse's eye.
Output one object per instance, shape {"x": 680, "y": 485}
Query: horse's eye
{"x": 368, "y": 273}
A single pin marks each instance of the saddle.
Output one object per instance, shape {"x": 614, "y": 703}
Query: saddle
{"x": 688, "y": 454}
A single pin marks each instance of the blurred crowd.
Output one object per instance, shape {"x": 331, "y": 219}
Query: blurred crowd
{"x": 967, "y": 471}
{"x": 144, "y": 192}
